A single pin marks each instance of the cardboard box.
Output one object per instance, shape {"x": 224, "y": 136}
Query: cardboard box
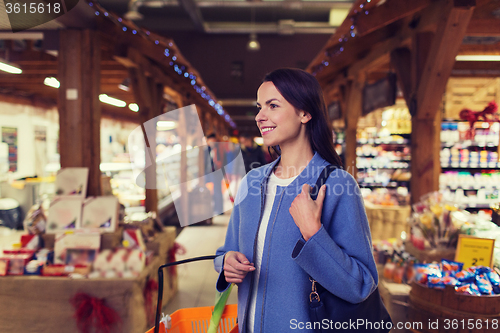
{"x": 72, "y": 183}
{"x": 64, "y": 215}
{"x": 100, "y": 214}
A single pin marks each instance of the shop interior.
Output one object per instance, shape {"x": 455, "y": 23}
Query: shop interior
{"x": 103, "y": 157}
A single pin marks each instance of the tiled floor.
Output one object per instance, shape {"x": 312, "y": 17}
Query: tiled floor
{"x": 197, "y": 279}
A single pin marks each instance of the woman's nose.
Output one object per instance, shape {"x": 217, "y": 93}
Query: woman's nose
{"x": 260, "y": 115}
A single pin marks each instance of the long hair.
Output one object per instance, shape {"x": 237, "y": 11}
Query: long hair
{"x": 303, "y": 91}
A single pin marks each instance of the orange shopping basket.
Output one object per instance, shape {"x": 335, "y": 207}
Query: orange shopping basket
{"x": 197, "y": 320}
{"x": 192, "y": 320}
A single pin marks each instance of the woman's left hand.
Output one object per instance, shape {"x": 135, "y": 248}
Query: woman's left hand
{"x": 306, "y": 212}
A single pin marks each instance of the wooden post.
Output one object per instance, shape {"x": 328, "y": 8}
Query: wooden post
{"x": 78, "y": 103}
{"x": 433, "y": 57}
{"x": 151, "y": 201}
{"x": 148, "y": 96}
{"x": 352, "y": 114}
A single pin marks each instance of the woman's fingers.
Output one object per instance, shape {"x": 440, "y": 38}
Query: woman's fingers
{"x": 236, "y": 267}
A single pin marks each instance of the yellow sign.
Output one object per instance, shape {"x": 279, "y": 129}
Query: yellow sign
{"x": 473, "y": 251}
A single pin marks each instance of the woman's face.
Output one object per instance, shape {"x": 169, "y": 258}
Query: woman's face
{"x": 278, "y": 121}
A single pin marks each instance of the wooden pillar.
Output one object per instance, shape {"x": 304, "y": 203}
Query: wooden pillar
{"x": 78, "y": 103}
{"x": 433, "y": 57}
{"x": 352, "y": 114}
{"x": 151, "y": 201}
{"x": 148, "y": 95}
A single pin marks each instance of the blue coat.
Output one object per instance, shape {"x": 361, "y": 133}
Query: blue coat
{"x": 339, "y": 256}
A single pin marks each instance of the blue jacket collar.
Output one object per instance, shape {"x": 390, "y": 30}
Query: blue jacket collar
{"x": 309, "y": 175}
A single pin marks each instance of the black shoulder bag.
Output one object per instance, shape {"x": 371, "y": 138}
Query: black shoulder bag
{"x": 335, "y": 313}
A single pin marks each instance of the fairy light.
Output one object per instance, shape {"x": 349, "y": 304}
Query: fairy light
{"x": 182, "y": 70}
{"x": 339, "y": 49}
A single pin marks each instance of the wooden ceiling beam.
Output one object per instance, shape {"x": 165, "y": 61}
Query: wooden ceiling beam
{"x": 491, "y": 49}
{"x": 153, "y": 52}
{"x": 123, "y": 114}
{"x": 477, "y": 65}
{"x": 387, "y": 13}
{"x": 379, "y": 54}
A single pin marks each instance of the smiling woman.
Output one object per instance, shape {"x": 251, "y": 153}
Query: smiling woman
{"x": 278, "y": 238}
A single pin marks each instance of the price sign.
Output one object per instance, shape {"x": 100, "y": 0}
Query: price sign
{"x": 473, "y": 251}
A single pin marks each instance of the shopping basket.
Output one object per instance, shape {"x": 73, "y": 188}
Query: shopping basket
{"x": 197, "y": 320}
{"x": 192, "y": 320}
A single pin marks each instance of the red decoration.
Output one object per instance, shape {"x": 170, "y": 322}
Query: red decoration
{"x": 473, "y": 116}
{"x": 92, "y": 312}
{"x": 149, "y": 290}
{"x": 176, "y": 249}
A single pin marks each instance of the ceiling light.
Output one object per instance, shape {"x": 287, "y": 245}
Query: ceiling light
{"x": 165, "y": 125}
{"x": 52, "y": 82}
{"x": 112, "y": 101}
{"x": 153, "y": 4}
{"x": 134, "y": 107}
{"x": 337, "y": 16}
{"x": 253, "y": 43}
{"x": 9, "y": 67}
{"x": 133, "y": 15}
{"x": 125, "y": 85}
{"x": 478, "y": 57}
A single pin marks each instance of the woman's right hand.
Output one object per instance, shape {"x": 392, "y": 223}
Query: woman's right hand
{"x": 236, "y": 267}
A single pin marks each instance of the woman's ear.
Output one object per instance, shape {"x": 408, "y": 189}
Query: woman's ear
{"x": 306, "y": 116}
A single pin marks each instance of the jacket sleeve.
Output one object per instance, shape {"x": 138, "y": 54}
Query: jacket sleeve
{"x": 339, "y": 256}
{"x": 231, "y": 242}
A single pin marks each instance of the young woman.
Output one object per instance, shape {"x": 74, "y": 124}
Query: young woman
{"x": 278, "y": 236}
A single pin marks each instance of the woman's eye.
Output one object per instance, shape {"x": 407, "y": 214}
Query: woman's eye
{"x": 273, "y": 106}
{"x": 259, "y": 108}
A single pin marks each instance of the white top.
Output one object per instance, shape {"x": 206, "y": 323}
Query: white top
{"x": 272, "y": 185}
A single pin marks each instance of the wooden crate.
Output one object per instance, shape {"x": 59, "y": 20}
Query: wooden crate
{"x": 428, "y": 305}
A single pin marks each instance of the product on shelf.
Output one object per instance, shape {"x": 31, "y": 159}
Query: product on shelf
{"x": 471, "y": 189}
{"x": 484, "y": 133}
{"x": 386, "y": 197}
{"x": 383, "y": 160}
{"x": 475, "y": 281}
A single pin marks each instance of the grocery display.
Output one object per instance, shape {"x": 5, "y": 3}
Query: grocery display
{"x": 470, "y": 163}
{"x": 383, "y": 148}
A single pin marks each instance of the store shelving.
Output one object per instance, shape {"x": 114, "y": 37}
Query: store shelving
{"x": 383, "y": 162}
{"x": 470, "y": 165}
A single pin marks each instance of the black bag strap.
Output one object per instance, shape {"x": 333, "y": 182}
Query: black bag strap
{"x": 323, "y": 176}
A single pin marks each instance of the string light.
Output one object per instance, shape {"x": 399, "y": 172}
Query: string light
{"x": 344, "y": 38}
{"x": 183, "y": 71}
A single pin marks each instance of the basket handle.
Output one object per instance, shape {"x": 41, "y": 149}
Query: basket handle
{"x": 160, "y": 284}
